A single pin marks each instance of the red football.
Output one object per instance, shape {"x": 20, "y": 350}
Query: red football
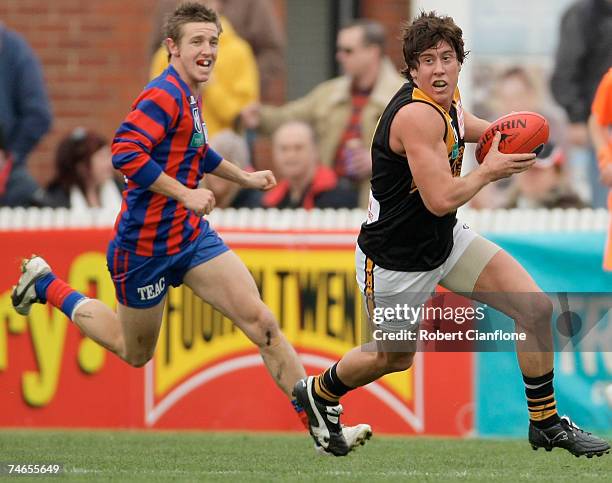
{"x": 522, "y": 132}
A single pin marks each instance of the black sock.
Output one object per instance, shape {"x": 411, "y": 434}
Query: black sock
{"x": 328, "y": 388}
{"x": 541, "y": 400}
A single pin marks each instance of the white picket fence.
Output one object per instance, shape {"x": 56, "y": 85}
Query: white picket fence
{"x": 489, "y": 221}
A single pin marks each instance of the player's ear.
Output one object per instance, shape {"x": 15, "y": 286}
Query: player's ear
{"x": 413, "y": 73}
{"x": 172, "y": 47}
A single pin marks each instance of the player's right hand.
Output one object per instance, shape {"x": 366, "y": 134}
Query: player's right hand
{"x": 500, "y": 165}
{"x": 199, "y": 200}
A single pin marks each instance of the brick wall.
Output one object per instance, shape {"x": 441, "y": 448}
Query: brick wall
{"x": 95, "y": 57}
{"x": 391, "y": 13}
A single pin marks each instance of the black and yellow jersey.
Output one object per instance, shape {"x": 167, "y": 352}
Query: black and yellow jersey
{"x": 401, "y": 233}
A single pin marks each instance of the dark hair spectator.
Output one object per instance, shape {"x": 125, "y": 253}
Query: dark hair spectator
{"x": 373, "y": 32}
{"x": 84, "y": 173}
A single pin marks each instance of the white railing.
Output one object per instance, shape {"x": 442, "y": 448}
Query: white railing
{"x": 491, "y": 221}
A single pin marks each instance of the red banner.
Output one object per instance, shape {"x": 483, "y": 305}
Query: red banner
{"x": 205, "y": 374}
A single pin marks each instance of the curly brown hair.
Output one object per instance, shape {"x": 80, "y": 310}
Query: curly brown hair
{"x": 426, "y": 31}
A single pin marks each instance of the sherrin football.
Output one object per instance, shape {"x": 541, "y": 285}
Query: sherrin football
{"x": 521, "y": 132}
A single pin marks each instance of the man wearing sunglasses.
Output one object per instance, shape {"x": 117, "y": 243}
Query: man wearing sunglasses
{"x": 343, "y": 111}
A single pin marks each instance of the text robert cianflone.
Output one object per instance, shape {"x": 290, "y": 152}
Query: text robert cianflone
{"x": 413, "y": 315}
{"x": 437, "y": 335}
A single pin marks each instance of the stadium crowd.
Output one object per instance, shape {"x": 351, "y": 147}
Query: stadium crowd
{"x": 334, "y": 122}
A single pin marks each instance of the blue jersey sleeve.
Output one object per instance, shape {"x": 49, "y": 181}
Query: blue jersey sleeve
{"x": 212, "y": 159}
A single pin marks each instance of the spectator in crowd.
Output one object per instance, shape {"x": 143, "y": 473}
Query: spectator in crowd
{"x": 234, "y": 85}
{"x": 84, "y": 174}
{"x": 515, "y": 90}
{"x": 6, "y": 163}
{"x": 583, "y": 56}
{"x": 600, "y": 126}
{"x": 305, "y": 182}
{"x": 228, "y": 194}
{"x": 256, "y": 22}
{"x": 343, "y": 111}
{"x": 25, "y": 114}
{"x": 545, "y": 185}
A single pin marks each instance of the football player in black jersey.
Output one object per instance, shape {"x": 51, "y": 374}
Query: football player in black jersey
{"x": 411, "y": 242}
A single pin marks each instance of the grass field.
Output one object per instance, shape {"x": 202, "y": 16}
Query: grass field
{"x": 163, "y": 456}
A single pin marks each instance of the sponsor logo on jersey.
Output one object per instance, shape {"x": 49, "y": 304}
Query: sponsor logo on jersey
{"x": 151, "y": 292}
{"x": 200, "y": 136}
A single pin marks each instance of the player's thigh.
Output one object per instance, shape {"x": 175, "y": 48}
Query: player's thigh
{"x": 506, "y": 286}
{"x": 226, "y": 284}
{"x": 141, "y": 326}
{"x": 469, "y": 257}
{"x": 392, "y": 307}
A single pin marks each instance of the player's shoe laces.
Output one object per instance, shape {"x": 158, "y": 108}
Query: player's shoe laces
{"x": 568, "y": 436}
{"x": 354, "y": 436}
{"x": 323, "y": 420}
{"x": 24, "y": 293}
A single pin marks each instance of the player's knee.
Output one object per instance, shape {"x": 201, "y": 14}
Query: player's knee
{"x": 537, "y": 308}
{"x": 543, "y": 307}
{"x": 262, "y": 327}
{"x": 138, "y": 359}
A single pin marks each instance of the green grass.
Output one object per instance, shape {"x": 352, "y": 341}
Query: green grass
{"x": 199, "y": 456}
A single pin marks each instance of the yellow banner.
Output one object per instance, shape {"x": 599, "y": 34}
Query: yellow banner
{"x": 313, "y": 294}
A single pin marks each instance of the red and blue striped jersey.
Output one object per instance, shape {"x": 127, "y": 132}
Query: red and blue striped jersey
{"x": 162, "y": 132}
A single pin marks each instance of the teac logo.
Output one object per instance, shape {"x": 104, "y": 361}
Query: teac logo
{"x": 150, "y": 292}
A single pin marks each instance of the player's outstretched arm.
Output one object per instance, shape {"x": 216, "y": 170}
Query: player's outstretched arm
{"x": 261, "y": 180}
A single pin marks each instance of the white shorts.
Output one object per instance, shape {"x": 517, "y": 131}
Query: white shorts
{"x": 383, "y": 288}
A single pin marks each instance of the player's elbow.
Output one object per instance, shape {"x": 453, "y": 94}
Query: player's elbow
{"x": 116, "y": 163}
{"x": 438, "y": 206}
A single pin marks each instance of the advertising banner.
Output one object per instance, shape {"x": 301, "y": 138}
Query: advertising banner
{"x": 568, "y": 267}
{"x": 205, "y": 373}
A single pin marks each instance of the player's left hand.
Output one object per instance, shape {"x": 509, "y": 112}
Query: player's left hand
{"x": 260, "y": 180}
